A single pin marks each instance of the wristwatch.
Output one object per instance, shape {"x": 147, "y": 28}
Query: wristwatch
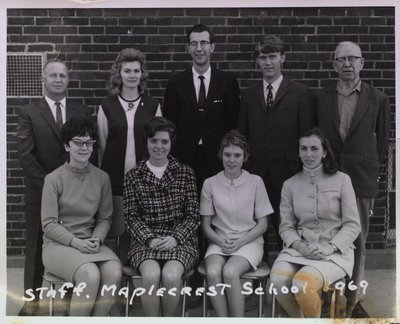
{"x": 335, "y": 248}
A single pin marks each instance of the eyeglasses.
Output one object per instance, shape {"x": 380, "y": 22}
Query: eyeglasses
{"x": 351, "y": 59}
{"x": 203, "y": 44}
{"x": 80, "y": 143}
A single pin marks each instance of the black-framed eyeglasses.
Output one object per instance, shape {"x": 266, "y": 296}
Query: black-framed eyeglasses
{"x": 80, "y": 143}
{"x": 203, "y": 44}
{"x": 343, "y": 59}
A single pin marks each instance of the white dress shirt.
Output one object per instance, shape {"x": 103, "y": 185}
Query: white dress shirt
{"x": 53, "y": 108}
{"x": 275, "y": 87}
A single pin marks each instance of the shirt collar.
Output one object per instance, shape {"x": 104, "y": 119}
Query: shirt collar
{"x": 343, "y": 91}
{"x": 52, "y": 102}
{"x": 207, "y": 74}
{"x": 275, "y": 84}
{"x": 226, "y": 182}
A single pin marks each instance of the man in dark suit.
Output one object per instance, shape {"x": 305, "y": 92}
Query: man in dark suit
{"x": 355, "y": 118}
{"x": 274, "y": 113}
{"x": 40, "y": 151}
{"x": 204, "y": 104}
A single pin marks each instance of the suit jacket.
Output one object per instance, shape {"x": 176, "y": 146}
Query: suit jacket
{"x": 40, "y": 147}
{"x": 366, "y": 145}
{"x": 320, "y": 207}
{"x": 274, "y": 136}
{"x": 221, "y": 114}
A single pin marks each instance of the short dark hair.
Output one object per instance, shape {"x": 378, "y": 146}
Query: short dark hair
{"x": 269, "y": 44}
{"x": 159, "y": 124}
{"x": 199, "y": 28}
{"x": 234, "y": 137}
{"x": 114, "y": 83}
{"x": 328, "y": 162}
{"x": 78, "y": 126}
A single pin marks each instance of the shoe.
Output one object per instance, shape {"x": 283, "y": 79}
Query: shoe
{"x": 193, "y": 301}
{"x": 357, "y": 312}
{"x": 29, "y": 309}
{"x": 251, "y": 302}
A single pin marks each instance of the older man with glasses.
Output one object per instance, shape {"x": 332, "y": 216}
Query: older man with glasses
{"x": 355, "y": 118}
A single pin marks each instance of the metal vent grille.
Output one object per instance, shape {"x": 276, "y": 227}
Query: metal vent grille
{"x": 24, "y": 75}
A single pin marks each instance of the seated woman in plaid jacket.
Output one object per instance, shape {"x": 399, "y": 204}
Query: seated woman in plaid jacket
{"x": 161, "y": 215}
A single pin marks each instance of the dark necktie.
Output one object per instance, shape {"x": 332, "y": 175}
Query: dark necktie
{"x": 202, "y": 95}
{"x": 59, "y": 120}
{"x": 269, "y": 98}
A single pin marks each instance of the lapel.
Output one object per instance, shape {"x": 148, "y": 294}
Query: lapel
{"x": 259, "y": 90}
{"x": 283, "y": 89}
{"x": 362, "y": 106}
{"x": 213, "y": 87}
{"x": 45, "y": 111}
{"x": 331, "y": 106}
{"x": 190, "y": 91}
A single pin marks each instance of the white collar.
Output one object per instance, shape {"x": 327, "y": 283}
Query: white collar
{"x": 276, "y": 84}
{"x": 52, "y": 102}
{"x": 207, "y": 74}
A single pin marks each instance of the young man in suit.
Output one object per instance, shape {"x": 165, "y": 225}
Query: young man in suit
{"x": 355, "y": 118}
{"x": 40, "y": 151}
{"x": 275, "y": 112}
{"x": 204, "y": 104}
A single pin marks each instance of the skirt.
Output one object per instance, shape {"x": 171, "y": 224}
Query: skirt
{"x": 329, "y": 270}
{"x": 62, "y": 261}
{"x": 252, "y": 252}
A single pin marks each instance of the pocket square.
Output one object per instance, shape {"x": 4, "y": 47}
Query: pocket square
{"x": 218, "y": 100}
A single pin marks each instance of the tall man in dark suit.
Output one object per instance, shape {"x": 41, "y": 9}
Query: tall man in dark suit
{"x": 275, "y": 111}
{"x": 41, "y": 150}
{"x": 355, "y": 118}
{"x": 204, "y": 104}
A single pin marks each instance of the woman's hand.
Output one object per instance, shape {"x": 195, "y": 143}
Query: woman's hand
{"x": 229, "y": 246}
{"x": 163, "y": 243}
{"x": 308, "y": 250}
{"x": 87, "y": 246}
{"x": 323, "y": 250}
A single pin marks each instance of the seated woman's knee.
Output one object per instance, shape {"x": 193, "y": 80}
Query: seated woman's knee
{"x": 112, "y": 271}
{"x": 88, "y": 273}
{"x": 305, "y": 280}
{"x": 171, "y": 277}
{"x": 230, "y": 273}
{"x": 214, "y": 271}
{"x": 151, "y": 274}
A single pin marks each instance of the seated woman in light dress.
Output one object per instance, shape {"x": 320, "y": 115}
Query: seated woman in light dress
{"x": 319, "y": 223}
{"x": 76, "y": 217}
{"x": 234, "y": 206}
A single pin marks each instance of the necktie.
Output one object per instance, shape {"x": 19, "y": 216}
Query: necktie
{"x": 59, "y": 119}
{"x": 269, "y": 98}
{"x": 202, "y": 95}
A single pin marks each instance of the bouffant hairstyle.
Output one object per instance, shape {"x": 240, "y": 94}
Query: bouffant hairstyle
{"x": 234, "y": 137}
{"x": 328, "y": 162}
{"x": 159, "y": 124}
{"x": 269, "y": 44}
{"x": 114, "y": 84}
{"x": 78, "y": 126}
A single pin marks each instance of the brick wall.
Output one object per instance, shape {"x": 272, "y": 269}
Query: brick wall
{"x": 89, "y": 39}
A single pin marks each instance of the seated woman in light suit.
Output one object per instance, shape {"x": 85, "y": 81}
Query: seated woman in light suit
{"x": 319, "y": 223}
{"x": 76, "y": 218}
